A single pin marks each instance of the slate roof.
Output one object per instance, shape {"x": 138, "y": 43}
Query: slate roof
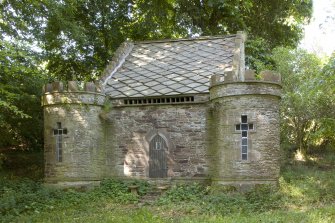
{"x": 170, "y": 67}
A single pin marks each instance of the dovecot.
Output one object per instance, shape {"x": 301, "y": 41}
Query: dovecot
{"x": 171, "y": 110}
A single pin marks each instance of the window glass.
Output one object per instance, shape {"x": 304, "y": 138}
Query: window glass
{"x": 251, "y": 126}
{"x": 59, "y": 141}
{"x": 238, "y": 127}
{"x": 244, "y": 149}
{"x": 244, "y": 119}
{"x": 244, "y": 126}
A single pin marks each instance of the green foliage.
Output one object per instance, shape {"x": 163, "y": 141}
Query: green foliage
{"x": 78, "y": 38}
{"x": 26, "y": 196}
{"x": 2, "y": 159}
{"x": 21, "y": 75}
{"x": 224, "y": 204}
{"x": 18, "y": 164}
{"x": 21, "y": 79}
{"x": 259, "y": 55}
{"x": 22, "y": 196}
{"x": 67, "y": 40}
{"x": 143, "y": 186}
{"x": 119, "y": 190}
{"x": 304, "y": 185}
{"x": 306, "y": 193}
{"x": 308, "y": 99}
{"x": 183, "y": 192}
{"x": 262, "y": 198}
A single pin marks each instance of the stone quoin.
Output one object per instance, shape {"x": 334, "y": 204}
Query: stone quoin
{"x": 173, "y": 110}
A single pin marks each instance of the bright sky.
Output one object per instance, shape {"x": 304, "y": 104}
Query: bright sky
{"x": 320, "y": 33}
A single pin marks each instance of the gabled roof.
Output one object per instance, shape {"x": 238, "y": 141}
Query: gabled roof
{"x": 169, "y": 67}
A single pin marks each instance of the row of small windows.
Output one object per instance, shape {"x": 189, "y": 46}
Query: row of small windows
{"x": 165, "y": 100}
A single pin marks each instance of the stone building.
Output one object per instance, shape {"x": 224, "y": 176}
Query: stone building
{"x": 171, "y": 110}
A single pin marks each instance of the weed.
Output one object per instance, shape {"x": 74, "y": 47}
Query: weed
{"x": 263, "y": 198}
{"x": 117, "y": 190}
{"x": 183, "y": 192}
{"x": 306, "y": 194}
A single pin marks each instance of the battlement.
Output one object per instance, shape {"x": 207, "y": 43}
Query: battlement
{"x": 72, "y": 86}
{"x": 265, "y": 76}
{"x": 267, "y": 83}
{"x": 72, "y": 92}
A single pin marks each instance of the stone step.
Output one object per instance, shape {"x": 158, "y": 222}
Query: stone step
{"x": 152, "y": 195}
{"x": 149, "y": 199}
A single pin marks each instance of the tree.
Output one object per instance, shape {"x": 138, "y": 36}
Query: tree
{"x": 308, "y": 99}
{"x": 75, "y": 39}
{"x": 21, "y": 80}
{"x": 21, "y": 74}
{"x": 79, "y": 37}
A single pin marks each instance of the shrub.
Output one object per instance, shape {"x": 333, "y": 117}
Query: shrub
{"x": 119, "y": 190}
{"x": 183, "y": 192}
{"x": 17, "y": 197}
{"x": 224, "y": 204}
{"x": 25, "y": 196}
{"x": 263, "y": 198}
{"x": 143, "y": 186}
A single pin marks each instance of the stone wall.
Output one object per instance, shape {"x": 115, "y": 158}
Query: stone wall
{"x": 112, "y": 138}
{"x": 76, "y": 109}
{"x": 259, "y": 101}
{"x": 183, "y": 126}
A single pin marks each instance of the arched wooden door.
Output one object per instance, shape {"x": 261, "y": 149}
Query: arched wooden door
{"x": 157, "y": 157}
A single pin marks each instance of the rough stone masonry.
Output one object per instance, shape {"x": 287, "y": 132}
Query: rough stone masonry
{"x": 171, "y": 110}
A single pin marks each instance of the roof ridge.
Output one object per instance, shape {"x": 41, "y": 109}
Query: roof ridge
{"x": 118, "y": 59}
{"x": 186, "y": 39}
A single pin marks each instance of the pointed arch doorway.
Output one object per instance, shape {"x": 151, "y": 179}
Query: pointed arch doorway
{"x": 158, "y": 157}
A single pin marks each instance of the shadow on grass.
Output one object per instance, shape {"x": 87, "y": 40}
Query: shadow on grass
{"x": 18, "y": 164}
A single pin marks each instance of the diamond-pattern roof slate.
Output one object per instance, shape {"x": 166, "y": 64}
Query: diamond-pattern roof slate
{"x": 171, "y": 67}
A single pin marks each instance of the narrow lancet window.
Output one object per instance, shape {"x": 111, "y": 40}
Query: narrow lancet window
{"x": 58, "y": 133}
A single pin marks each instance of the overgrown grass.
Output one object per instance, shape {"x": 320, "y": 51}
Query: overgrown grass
{"x": 26, "y": 197}
{"x": 306, "y": 193}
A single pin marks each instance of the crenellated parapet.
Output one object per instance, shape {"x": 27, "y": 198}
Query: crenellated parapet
{"x": 72, "y": 92}
{"x": 72, "y": 151}
{"x": 266, "y": 83}
{"x": 249, "y": 76}
{"x": 245, "y": 113}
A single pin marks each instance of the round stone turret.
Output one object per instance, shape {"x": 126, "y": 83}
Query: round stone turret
{"x": 74, "y": 148}
{"x": 245, "y": 133}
